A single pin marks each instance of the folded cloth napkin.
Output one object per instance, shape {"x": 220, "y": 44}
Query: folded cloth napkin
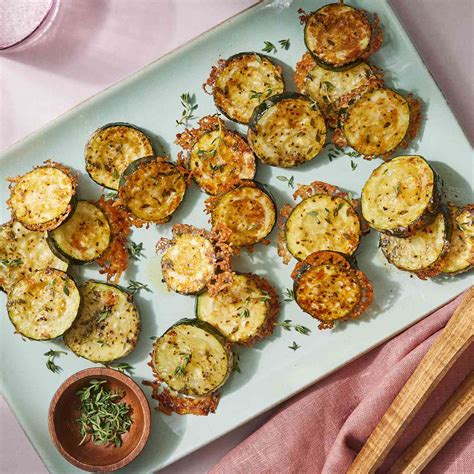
{"x": 322, "y": 429}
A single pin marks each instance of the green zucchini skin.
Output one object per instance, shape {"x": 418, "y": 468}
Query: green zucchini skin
{"x": 108, "y": 324}
{"x": 110, "y": 184}
{"x": 244, "y": 240}
{"x": 392, "y": 247}
{"x": 172, "y": 378}
{"x": 102, "y": 231}
{"x": 424, "y": 219}
{"x": 235, "y": 57}
{"x": 287, "y": 158}
{"x": 143, "y": 163}
{"x": 325, "y": 63}
{"x": 48, "y": 319}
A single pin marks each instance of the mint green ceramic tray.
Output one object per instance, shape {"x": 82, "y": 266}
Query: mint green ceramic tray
{"x": 270, "y": 373}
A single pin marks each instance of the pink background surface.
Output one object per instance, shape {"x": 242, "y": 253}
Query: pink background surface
{"x": 95, "y": 43}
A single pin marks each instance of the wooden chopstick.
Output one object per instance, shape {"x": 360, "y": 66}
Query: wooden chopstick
{"x": 454, "y": 413}
{"x": 446, "y": 349}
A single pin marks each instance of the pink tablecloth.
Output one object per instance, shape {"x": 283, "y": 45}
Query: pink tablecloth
{"x": 81, "y": 56}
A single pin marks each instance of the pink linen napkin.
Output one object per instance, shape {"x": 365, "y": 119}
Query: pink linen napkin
{"x": 322, "y": 429}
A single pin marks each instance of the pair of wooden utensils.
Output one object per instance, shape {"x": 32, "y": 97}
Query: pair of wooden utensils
{"x": 455, "y": 338}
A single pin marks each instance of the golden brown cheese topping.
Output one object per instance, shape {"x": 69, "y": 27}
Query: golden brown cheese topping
{"x": 245, "y": 81}
{"x": 220, "y": 158}
{"x": 289, "y": 133}
{"x": 41, "y": 199}
{"x": 191, "y": 360}
{"x": 154, "y": 190}
{"x": 108, "y": 324}
{"x": 110, "y": 150}
{"x": 322, "y": 222}
{"x": 189, "y": 264}
{"x": 418, "y": 251}
{"x": 248, "y": 212}
{"x": 398, "y": 193}
{"x": 23, "y": 251}
{"x": 377, "y": 122}
{"x": 338, "y": 34}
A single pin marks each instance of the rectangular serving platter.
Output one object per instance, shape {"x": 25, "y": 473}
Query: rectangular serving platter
{"x": 270, "y": 372}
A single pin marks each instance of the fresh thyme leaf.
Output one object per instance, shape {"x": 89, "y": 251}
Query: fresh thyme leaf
{"x": 111, "y": 195}
{"x": 284, "y": 43}
{"x": 397, "y": 189}
{"x": 188, "y": 101}
{"x": 289, "y": 295}
{"x": 153, "y": 338}
{"x": 136, "y": 286}
{"x": 315, "y": 214}
{"x": 302, "y": 329}
{"x": 338, "y": 208}
{"x": 353, "y": 165}
{"x": 287, "y": 325}
{"x": 244, "y": 313}
{"x": 102, "y": 315}
{"x": 265, "y": 297}
{"x": 121, "y": 367}
{"x": 52, "y": 282}
{"x": 104, "y": 417}
{"x": 51, "y": 355}
{"x": 66, "y": 290}
{"x": 180, "y": 369}
{"x": 329, "y": 85}
{"x": 255, "y": 94}
{"x": 115, "y": 174}
{"x": 290, "y": 180}
{"x": 236, "y": 363}
{"x": 269, "y": 47}
{"x": 135, "y": 251}
{"x": 294, "y": 346}
{"x": 15, "y": 262}
{"x": 462, "y": 226}
{"x": 217, "y": 167}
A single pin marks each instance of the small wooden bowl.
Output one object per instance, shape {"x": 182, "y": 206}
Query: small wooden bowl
{"x": 65, "y": 409}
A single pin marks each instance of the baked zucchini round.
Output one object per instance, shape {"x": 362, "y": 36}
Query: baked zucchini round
{"x": 189, "y": 264}
{"x": 44, "y": 197}
{"x": 84, "y": 237}
{"x": 337, "y": 35}
{"x": 333, "y": 90}
{"x": 220, "y": 158}
{"x": 377, "y": 122}
{"x": 152, "y": 189}
{"x": 460, "y": 256}
{"x": 422, "y": 250}
{"x": 111, "y": 149}
{"x": 245, "y": 81}
{"x": 23, "y": 251}
{"x": 248, "y": 211}
{"x": 286, "y": 130}
{"x": 401, "y": 196}
{"x": 244, "y": 311}
{"x": 108, "y": 324}
{"x": 329, "y": 289}
{"x": 192, "y": 358}
{"x": 322, "y": 222}
{"x": 44, "y": 304}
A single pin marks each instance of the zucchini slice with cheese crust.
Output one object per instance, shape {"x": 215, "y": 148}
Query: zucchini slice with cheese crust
{"x": 244, "y": 81}
{"x": 111, "y": 149}
{"x": 338, "y": 35}
{"x": 152, "y": 189}
{"x": 245, "y": 311}
{"x": 329, "y": 289}
{"x": 220, "y": 158}
{"x": 460, "y": 256}
{"x": 322, "y": 222}
{"x": 286, "y": 130}
{"x": 192, "y": 358}
{"x": 44, "y": 197}
{"x": 108, "y": 324}
{"x": 377, "y": 122}
{"x": 333, "y": 90}
{"x": 422, "y": 250}
{"x": 248, "y": 211}
{"x": 84, "y": 237}
{"x": 189, "y": 264}
{"x": 44, "y": 304}
{"x": 401, "y": 196}
{"x": 23, "y": 251}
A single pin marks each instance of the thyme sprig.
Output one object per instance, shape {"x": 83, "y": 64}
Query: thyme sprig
{"x": 10, "y": 263}
{"x": 269, "y": 47}
{"x": 135, "y": 286}
{"x": 336, "y": 151}
{"x": 294, "y": 346}
{"x": 135, "y": 251}
{"x": 288, "y": 325}
{"x": 180, "y": 369}
{"x": 121, "y": 367}
{"x": 188, "y": 101}
{"x": 104, "y": 418}
{"x": 284, "y": 44}
{"x": 289, "y": 295}
{"x": 290, "y": 180}
{"x": 50, "y": 364}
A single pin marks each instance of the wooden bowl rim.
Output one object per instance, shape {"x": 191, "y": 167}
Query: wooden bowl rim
{"x": 130, "y": 384}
